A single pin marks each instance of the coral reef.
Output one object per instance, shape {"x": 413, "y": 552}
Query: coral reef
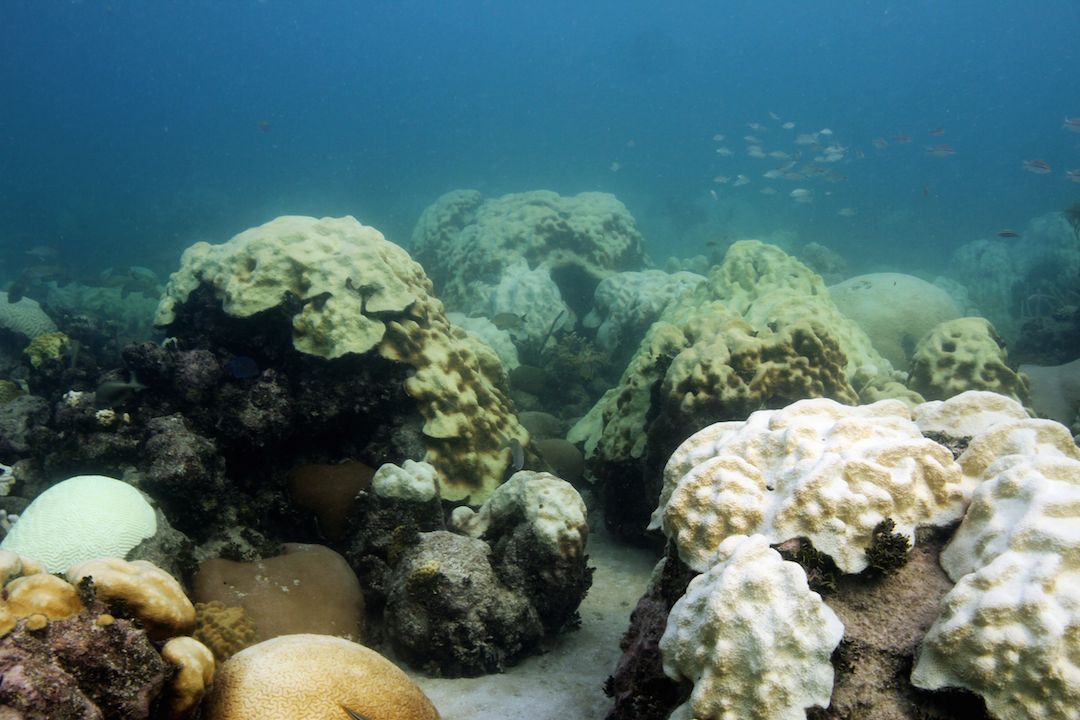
{"x": 627, "y": 303}
{"x": 816, "y": 469}
{"x": 85, "y": 648}
{"x": 761, "y": 332}
{"x": 24, "y": 318}
{"x": 342, "y": 293}
{"x": 305, "y": 589}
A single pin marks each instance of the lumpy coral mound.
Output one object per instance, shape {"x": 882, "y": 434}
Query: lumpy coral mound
{"x": 347, "y": 292}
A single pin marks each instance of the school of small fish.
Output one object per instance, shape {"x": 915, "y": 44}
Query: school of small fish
{"x": 817, "y": 155}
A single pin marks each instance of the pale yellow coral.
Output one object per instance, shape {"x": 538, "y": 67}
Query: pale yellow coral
{"x": 44, "y": 594}
{"x": 314, "y": 676}
{"x": 194, "y": 665}
{"x": 141, "y": 588}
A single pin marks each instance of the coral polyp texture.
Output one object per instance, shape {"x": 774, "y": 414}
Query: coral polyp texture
{"x": 815, "y": 469}
{"x": 752, "y": 637}
{"x": 82, "y": 518}
{"x": 1008, "y": 629}
{"x": 24, "y": 317}
{"x": 347, "y": 291}
{"x": 314, "y": 676}
{"x": 964, "y": 354}
{"x": 465, "y": 241}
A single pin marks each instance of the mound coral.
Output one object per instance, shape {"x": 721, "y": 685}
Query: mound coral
{"x": 815, "y": 469}
{"x": 752, "y": 637}
{"x": 314, "y": 676}
{"x": 466, "y": 242}
{"x": 964, "y": 354}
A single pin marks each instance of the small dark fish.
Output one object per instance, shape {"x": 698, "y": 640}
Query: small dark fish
{"x": 1007, "y": 233}
{"x": 111, "y": 392}
{"x": 509, "y": 321}
{"x": 242, "y": 367}
{"x": 353, "y": 715}
{"x": 517, "y": 453}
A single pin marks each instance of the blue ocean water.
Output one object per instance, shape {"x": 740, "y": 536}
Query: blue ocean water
{"x": 131, "y": 129}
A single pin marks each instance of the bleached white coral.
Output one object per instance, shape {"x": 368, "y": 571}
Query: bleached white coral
{"x": 1010, "y": 628}
{"x": 550, "y": 506}
{"x": 815, "y": 469}
{"x": 752, "y": 637}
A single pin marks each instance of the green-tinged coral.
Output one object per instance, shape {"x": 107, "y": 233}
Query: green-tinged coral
{"x": 965, "y": 354}
{"x": 9, "y": 391}
{"x": 43, "y": 348}
{"x": 226, "y": 630}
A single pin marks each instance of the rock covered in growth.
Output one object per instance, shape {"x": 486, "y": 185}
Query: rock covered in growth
{"x": 316, "y": 676}
{"x": 347, "y": 291}
{"x": 480, "y": 601}
{"x": 448, "y": 613}
{"x": 964, "y": 354}
{"x": 894, "y": 309}
{"x": 752, "y": 637}
{"x": 465, "y": 242}
{"x": 814, "y": 469}
{"x": 537, "y": 527}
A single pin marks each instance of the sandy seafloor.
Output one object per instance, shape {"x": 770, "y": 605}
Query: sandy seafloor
{"x": 565, "y": 683}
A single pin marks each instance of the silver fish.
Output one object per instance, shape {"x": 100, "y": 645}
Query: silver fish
{"x": 517, "y": 453}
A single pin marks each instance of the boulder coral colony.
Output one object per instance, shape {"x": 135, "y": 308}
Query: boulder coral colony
{"x": 334, "y": 448}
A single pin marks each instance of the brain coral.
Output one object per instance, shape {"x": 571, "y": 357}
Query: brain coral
{"x": 314, "y": 677}
{"x": 464, "y": 241}
{"x": 360, "y": 293}
{"x": 82, "y": 518}
{"x": 24, "y": 317}
{"x": 752, "y": 637}
{"x": 815, "y": 469}
{"x": 964, "y": 354}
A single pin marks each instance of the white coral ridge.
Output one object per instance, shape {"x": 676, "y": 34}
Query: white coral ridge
{"x": 1010, "y": 628}
{"x": 82, "y": 518}
{"x": 752, "y": 637}
{"x": 551, "y": 506}
{"x": 814, "y": 469}
{"x": 416, "y": 481}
